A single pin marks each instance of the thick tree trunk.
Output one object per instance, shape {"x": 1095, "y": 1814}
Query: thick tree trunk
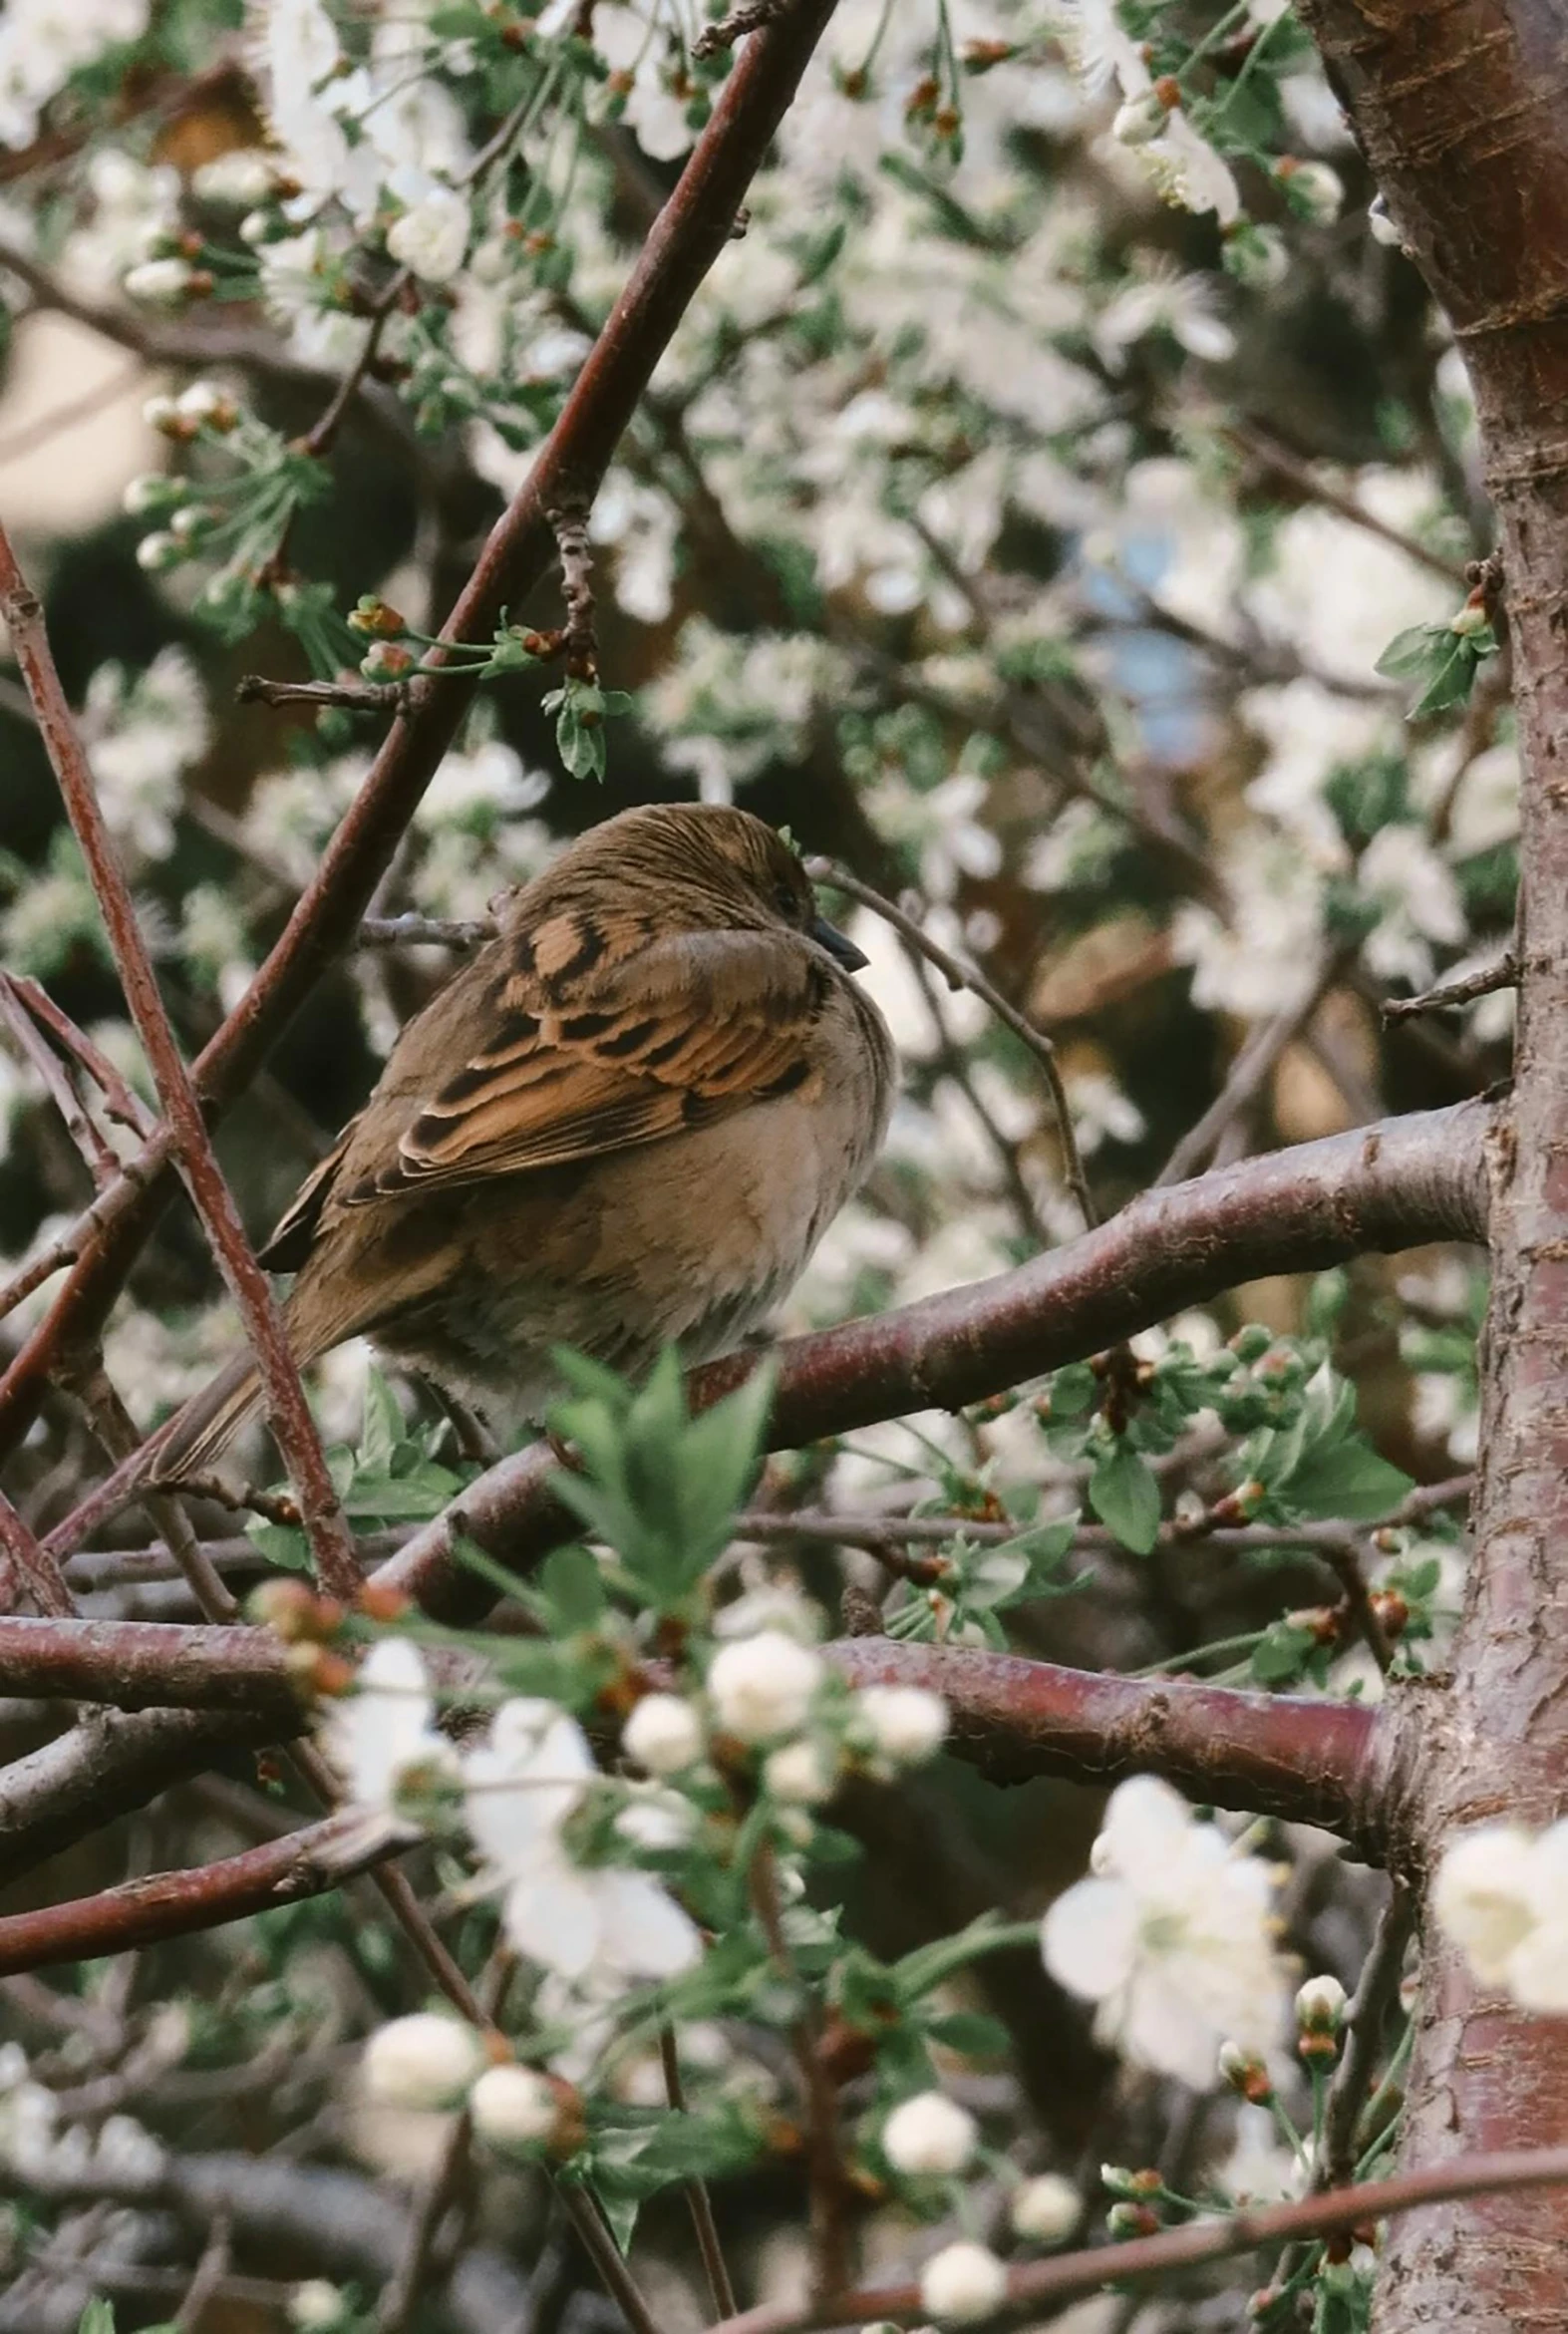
{"x": 1462, "y": 110}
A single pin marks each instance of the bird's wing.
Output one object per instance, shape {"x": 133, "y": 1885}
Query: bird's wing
{"x": 684, "y": 1031}
{"x": 291, "y": 1236}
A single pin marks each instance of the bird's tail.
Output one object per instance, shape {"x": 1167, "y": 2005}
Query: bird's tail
{"x": 201, "y": 1431}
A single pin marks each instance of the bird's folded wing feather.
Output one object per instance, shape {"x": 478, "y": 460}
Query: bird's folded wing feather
{"x": 686, "y": 1030}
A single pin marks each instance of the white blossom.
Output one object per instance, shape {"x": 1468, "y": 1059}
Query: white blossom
{"x": 1501, "y": 1893}
{"x": 1418, "y": 899}
{"x": 930, "y": 2136}
{"x": 383, "y": 1736}
{"x": 43, "y": 42}
{"x": 1045, "y": 2210}
{"x": 1172, "y": 1937}
{"x": 763, "y": 1686}
{"x": 433, "y": 237}
{"x": 586, "y": 1923}
{"x": 424, "y": 2061}
{"x": 962, "y": 2282}
{"x": 663, "y": 1733}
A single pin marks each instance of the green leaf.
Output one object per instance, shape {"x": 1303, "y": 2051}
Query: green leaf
{"x": 1124, "y": 1496}
{"x": 1410, "y": 652}
{"x": 97, "y": 2318}
{"x": 383, "y": 1429}
{"x": 1072, "y": 1391}
{"x": 283, "y": 1545}
{"x": 572, "y": 1583}
{"x": 971, "y": 2033}
{"x": 1349, "y": 1480}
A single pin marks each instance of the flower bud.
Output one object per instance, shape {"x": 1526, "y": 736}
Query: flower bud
{"x": 425, "y": 2061}
{"x": 1471, "y": 618}
{"x": 385, "y": 660}
{"x": 156, "y": 553}
{"x": 1320, "y": 2006}
{"x": 1046, "y": 2210}
{"x": 799, "y": 1773}
{"x": 150, "y": 493}
{"x": 763, "y": 1686}
{"x": 1256, "y": 257}
{"x": 163, "y": 283}
{"x": 1132, "y": 2220}
{"x": 960, "y": 2282}
{"x": 1246, "y": 2073}
{"x": 515, "y": 2108}
{"x": 1311, "y": 190}
{"x": 906, "y": 1724}
{"x": 663, "y": 1733}
{"x": 930, "y": 2136}
{"x": 317, "y": 2307}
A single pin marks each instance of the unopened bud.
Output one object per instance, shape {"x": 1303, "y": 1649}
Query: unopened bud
{"x": 1132, "y": 2220}
{"x": 1246, "y": 2073}
{"x": 1471, "y": 618}
{"x": 1320, "y": 2006}
{"x": 1139, "y": 121}
{"x": 385, "y": 660}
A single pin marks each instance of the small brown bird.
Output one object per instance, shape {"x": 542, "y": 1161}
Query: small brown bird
{"x": 629, "y": 1119}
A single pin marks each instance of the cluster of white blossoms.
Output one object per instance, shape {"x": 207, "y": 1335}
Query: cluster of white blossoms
{"x": 43, "y": 42}
{"x": 562, "y": 1842}
{"x": 1501, "y": 1894}
{"x": 1174, "y": 1939}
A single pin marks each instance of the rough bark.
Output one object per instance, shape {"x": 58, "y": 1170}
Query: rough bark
{"x": 1462, "y": 110}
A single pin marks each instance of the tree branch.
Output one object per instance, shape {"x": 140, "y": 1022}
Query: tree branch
{"x": 1305, "y": 1761}
{"x": 1069, "y": 2275}
{"x": 1381, "y": 1188}
{"x": 305, "y": 1862}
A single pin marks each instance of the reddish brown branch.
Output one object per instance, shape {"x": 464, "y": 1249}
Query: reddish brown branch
{"x": 686, "y": 238}
{"x": 1411, "y": 1181}
{"x": 176, "y": 1904}
{"x": 287, "y": 1408}
{"x": 1063, "y": 2279}
{"x": 149, "y": 1665}
{"x": 1273, "y": 1753}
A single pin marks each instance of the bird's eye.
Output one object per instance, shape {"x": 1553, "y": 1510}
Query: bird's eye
{"x": 786, "y": 898}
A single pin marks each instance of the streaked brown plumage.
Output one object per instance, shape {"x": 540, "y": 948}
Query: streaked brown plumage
{"x": 628, "y": 1119}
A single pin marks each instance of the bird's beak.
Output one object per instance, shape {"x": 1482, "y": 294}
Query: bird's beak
{"x": 829, "y": 936}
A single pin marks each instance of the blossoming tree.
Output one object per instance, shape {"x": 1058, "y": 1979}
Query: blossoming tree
{"x": 1095, "y": 471}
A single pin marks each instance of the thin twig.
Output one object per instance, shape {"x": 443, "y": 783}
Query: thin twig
{"x": 212, "y": 2269}
{"x": 1301, "y": 475}
{"x": 36, "y": 1564}
{"x": 416, "y": 932}
{"x": 97, "y": 1153}
{"x": 713, "y": 39}
{"x": 1501, "y": 973}
{"x": 960, "y": 974}
{"x": 1252, "y": 1066}
{"x": 698, "y": 2201}
{"x": 1364, "y": 2016}
{"x": 826, "y": 2171}
{"x": 353, "y": 696}
{"x": 288, "y": 1410}
{"x": 119, "y": 1434}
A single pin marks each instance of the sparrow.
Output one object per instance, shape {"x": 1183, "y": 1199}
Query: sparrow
{"x": 627, "y": 1121}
